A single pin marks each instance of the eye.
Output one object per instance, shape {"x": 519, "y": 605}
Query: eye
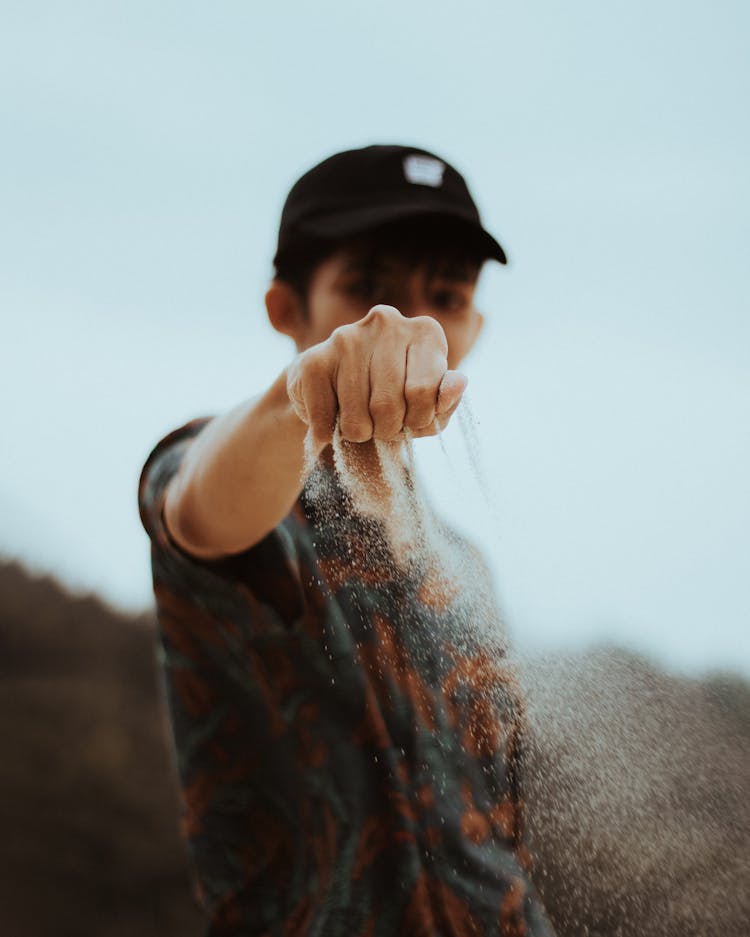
{"x": 365, "y": 289}
{"x": 448, "y": 300}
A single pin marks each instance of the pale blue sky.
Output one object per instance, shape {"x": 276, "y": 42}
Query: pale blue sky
{"x": 147, "y": 149}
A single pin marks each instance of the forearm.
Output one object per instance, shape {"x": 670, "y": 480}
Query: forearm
{"x": 240, "y": 476}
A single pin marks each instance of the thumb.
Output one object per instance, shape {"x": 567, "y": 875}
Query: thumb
{"x": 450, "y": 391}
{"x": 294, "y": 392}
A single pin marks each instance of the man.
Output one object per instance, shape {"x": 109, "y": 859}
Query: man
{"x": 349, "y": 761}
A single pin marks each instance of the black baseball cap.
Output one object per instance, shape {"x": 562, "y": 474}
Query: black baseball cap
{"x": 359, "y": 190}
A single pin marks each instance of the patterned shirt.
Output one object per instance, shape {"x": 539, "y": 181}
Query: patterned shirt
{"x": 348, "y": 758}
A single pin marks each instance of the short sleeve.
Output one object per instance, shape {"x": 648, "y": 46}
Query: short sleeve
{"x": 261, "y": 585}
{"x": 160, "y": 467}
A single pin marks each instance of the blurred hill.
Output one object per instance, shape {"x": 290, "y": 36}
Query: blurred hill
{"x": 88, "y": 803}
{"x": 89, "y": 808}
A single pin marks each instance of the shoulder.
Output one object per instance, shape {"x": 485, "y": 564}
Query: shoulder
{"x": 266, "y": 573}
{"x": 160, "y": 467}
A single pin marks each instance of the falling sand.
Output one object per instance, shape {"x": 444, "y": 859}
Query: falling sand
{"x": 636, "y": 782}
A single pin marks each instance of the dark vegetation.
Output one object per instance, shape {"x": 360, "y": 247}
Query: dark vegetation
{"x": 88, "y": 804}
{"x": 90, "y": 817}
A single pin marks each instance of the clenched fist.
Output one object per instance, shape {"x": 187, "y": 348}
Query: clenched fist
{"x": 376, "y": 377}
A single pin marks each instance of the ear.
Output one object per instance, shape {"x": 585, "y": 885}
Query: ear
{"x": 477, "y": 326}
{"x": 286, "y": 311}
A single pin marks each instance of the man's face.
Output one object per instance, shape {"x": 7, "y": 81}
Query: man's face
{"x": 348, "y": 284}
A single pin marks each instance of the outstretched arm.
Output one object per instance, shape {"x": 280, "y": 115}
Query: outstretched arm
{"x": 242, "y": 474}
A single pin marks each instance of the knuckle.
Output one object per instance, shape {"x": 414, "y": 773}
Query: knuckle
{"x": 383, "y": 315}
{"x": 429, "y": 329}
{"x": 341, "y": 338}
{"x": 384, "y": 311}
{"x": 313, "y": 366}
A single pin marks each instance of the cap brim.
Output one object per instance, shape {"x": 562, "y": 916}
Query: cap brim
{"x": 347, "y": 222}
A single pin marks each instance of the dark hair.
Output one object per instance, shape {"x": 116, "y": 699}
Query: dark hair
{"x": 298, "y": 266}
{"x": 418, "y": 241}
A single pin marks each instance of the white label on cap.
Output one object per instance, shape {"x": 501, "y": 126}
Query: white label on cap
{"x": 424, "y": 170}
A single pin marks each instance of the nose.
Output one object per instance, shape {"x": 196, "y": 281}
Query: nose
{"x": 412, "y": 302}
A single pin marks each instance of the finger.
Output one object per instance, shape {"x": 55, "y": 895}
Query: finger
{"x": 387, "y": 378}
{"x": 425, "y": 367}
{"x": 294, "y": 388}
{"x": 319, "y": 399}
{"x": 442, "y": 415}
{"x": 451, "y": 391}
{"x": 437, "y": 426}
{"x": 352, "y": 384}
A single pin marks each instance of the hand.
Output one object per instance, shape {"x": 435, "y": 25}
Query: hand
{"x": 377, "y": 377}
